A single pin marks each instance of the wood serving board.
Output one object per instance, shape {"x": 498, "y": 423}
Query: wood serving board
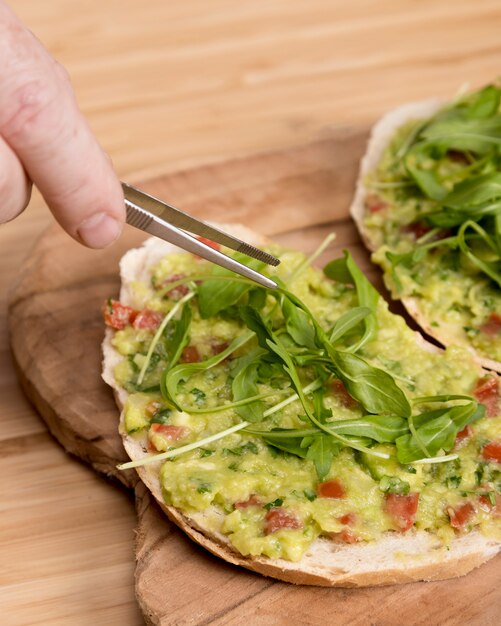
{"x": 56, "y": 329}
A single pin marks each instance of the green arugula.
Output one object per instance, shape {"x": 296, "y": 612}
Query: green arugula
{"x": 215, "y": 296}
{"x": 464, "y": 202}
{"x": 294, "y": 354}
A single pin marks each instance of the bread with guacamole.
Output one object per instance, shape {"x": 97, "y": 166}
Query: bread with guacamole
{"x": 305, "y": 433}
{"x": 428, "y": 204}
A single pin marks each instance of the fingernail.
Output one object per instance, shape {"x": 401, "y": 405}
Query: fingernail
{"x": 99, "y": 230}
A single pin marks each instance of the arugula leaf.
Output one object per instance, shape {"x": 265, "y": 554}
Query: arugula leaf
{"x": 374, "y": 388}
{"x": 214, "y": 295}
{"x": 178, "y": 338}
{"x": 174, "y": 376}
{"x": 298, "y": 325}
{"x": 319, "y": 409}
{"x": 321, "y": 451}
{"x": 292, "y": 446}
{"x": 437, "y": 430}
{"x": 255, "y": 322}
{"x": 347, "y": 322}
{"x": 380, "y": 428}
{"x": 367, "y": 296}
{"x": 244, "y": 385}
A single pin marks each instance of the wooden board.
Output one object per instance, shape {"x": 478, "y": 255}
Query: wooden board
{"x": 55, "y": 324}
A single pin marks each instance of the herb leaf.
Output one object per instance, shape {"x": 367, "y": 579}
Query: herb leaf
{"x": 374, "y": 388}
{"x": 214, "y": 295}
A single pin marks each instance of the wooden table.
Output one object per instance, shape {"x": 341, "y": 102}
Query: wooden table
{"x": 165, "y": 86}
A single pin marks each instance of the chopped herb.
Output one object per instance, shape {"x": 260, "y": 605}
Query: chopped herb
{"x": 271, "y": 505}
{"x": 250, "y": 446}
{"x": 199, "y": 396}
{"x": 453, "y": 482}
{"x": 393, "y": 484}
{"x": 205, "y": 452}
{"x": 204, "y": 488}
{"x": 310, "y": 495}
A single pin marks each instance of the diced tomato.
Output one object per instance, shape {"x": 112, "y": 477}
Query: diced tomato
{"x": 152, "y": 408}
{"x": 374, "y": 203}
{"x": 348, "y": 536}
{"x": 463, "y": 434}
{"x": 148, "y": 319}
{"x": 402, "y": 509}
{"x": 117, "y": 315}
{"x": 487, "y": 393}
{"x": 331, "y": 489}
{"x": 252, "y": 500}
{"x": 178, "y": 292}
{"x": 418, "y": 229}
{"x": 487, "y": 505}
{"x": 190, "y": 354}
{"x": 492, "y": 326}
{"x": 461, "y": 515}
{"x": 170, "y": 431}
{"x": 349, "y": 519}
{"x": 492, "y": 451}
{"x": 278, "y": 518}
{"x": 219, "y": 346}
{"x": 166, "y": 431}
{"x": 341, "y": 392}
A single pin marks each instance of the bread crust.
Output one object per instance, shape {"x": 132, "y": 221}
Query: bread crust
{"x": 394, "y": 559}
{"x": 381, "y": 134}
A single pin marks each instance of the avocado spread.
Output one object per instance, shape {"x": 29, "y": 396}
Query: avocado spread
{"x": 433, "y": 215}
{"x": 347, "y": 427}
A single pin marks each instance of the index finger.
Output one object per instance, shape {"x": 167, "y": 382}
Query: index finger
{"x": 41, "y": 122}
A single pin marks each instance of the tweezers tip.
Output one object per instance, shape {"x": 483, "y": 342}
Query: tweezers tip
{"x": 260, "y": 255}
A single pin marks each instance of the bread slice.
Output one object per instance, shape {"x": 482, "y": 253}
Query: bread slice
{"x": 381, "y": 135}
{"x": 394, "y": 559}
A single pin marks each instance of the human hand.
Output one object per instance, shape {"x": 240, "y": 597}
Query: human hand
{"x": 45, "y": 140}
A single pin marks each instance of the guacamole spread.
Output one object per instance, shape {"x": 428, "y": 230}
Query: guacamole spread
{"x": 433, "y": 215}
{"x": 303, "y": 412}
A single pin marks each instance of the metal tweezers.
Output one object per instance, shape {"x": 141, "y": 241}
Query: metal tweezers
{"x": 162, "y": 220}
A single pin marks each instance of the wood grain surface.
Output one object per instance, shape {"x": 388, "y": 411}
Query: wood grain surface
{"x": 167, "y": 86}
{"x": 55, "y": 313}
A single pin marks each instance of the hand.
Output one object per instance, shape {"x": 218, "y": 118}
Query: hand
{"x": 45, "y": 140}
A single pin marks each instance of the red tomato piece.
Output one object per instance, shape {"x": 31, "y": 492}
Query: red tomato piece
{"x": 178, "y": 292}
{"x": 463, "y": 434}
{"x": 148, "y": 320}
{"x": 349, "y": 519}
{"x": 117, "y": 315}
{"x": 461, "y": 515}
{"x": 170, "y": 431}
{"x": 331, "y": 489}
{"x": 487, "y": 393}
{"x": 417, "y": 230}
{"x": 348, "y": 536}
{"x": 492, "y": 326}
{"x": 252, "y": 500}
{"x": 219, "y": 346}
{"x": 190, "y": 354}
{"x": 341, "y": 392}
{"x": 486, "y": 504}
{"x": 278, "y": 518}
{"x": 374, "y": 203}
{"x": 402, "y": 509}
{"x": 492, "y": 451}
